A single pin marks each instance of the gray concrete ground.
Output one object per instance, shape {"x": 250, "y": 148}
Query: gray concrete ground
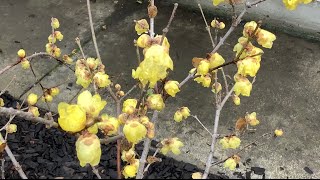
{"x": 285, "y": 95}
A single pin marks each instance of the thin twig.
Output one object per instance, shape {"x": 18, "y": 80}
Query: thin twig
{"x": 215, "y": 134}
{"x": 7, "y": 124}
{"x": 207, "y": 26}
{"x": 92, "y": 31}
{"x": 96, "y": 172}
{"x": 196, "y": 117}
{"x": 4, "y": 90}
{"x": 109, "y": 140}
{"x": 14, "y": 161}
{"x": 146, "y": 148}
{"x": 80, "y": 47}
{"x": 225, "y": 81}
{"x": 166, "y": 29}
{"x": 154, "y": 155}
{"x": 133, "y": 88}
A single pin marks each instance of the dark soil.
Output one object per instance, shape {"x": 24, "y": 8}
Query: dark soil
{"x": 50, "y": 153}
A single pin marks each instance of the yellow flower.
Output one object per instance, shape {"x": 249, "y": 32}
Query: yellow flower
{"x": 185, "y": 112}
{"x": 178, "y": 116}
{"x": 109, "y": 125}
{"x": 25, "y": 64}
{"x": 155, "y": 102}
{"x": 101, "y": 79}
{"x": 249, "y": 28}
{"x": 49, "y": 48}
{"x": 203, "y": 67}
{"x": 216, "y": 88}
{"x": 129, "y": 106}
{"x": 82, "y": 74}
{"x": 278, "y": 132}
{"x": 47, "y": 98}
{"x": 292, "y": 4}
{"x": 67, "y": 59}
{"x": 54, "y": 91}
{"x": 57, "y": 52}
{"x": 91, "y": 104}
{"x": 172, "y": 88}
{"x": 197, "y": 175}
{"x": 144, "y": 120}
{"x": 154, "y": 66}
{"x": 130, "y": 171}
{"x": 242, "y": 86}
{"x": 232, "y": 142}
{"x": 165, "y": 42}
{"x": 21, "y": 53}
{"x": 248, "y": 66}
{"x": 128, "y": 156}
{"x": 172, "y": 144}
{"x": 236, "y": 100}
{"x": 217, "y": 24}
{"x": 34, "y": 111}
{"x": 230, "y": 164}
{"x": 150, "y": 130}
{"x": 1, "y": 102}
{"x": 12, "y": 128}
{"x": 144, "y": 41}
{"x": 204, "y": 80}
{"x": 216, "y": 60}
{"x": 217, "y": 2}
{"x": 58, "y": 35}
{"x": 55, "y": 23}
{"x": 32, "y": 99}
{"x": 93, "y": 63}
{"x": 134, "y": 131}
{"x": 88, "y": 149}
{"x": 52, "y": 39}
{"x": 252, "y": 119}
{"x": 182, "y": 113}
{"x": 72, "y": 118}
{"x": 141, "y": 26}
{"x": 265, "y": 38}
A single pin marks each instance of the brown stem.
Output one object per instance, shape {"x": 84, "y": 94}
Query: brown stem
{"x": 92, "y": 31}
{"x": 207, "y": 26}
{"x": 166, "y": 29}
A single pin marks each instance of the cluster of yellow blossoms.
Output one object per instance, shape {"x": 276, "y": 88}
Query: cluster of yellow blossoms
{"x": 289, "y": 4}
{"x": 181, "y": 114}
{"x": 91, "y": 70}
{"x": 25, "y": 64}
{"x": 156, "y": 57}
{"x": 51, "y": 48}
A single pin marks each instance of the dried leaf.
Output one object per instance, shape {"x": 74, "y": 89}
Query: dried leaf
{"x": 241, "y": 124}
{"x": 152, "y": 159}
{"x": 2, "y": 147}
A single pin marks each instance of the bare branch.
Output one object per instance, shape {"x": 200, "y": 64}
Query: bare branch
{"x": 166, "y": 29}
{"x": 196, "y": 117}
{"x": 96, "y": 172}
{"x": 92, "y": 31}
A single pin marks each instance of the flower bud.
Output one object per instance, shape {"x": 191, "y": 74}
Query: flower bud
{"x": 55, "y": 23}
{"x": 101, "y": 79}
{"x": 34, "y": 111}
{"x": 88, "y": 149}
{"x": 278, "y": 132}
{"x": 21, "y": 53}
{"x": 54, "y": 91}
{"x": 67, "y": 59}
{"x": 134, "y": 131}
{"x": 155, "y": 102}
{"x": 32, "y": 99}
{"x": 25, "y": 64}
{"x": 172, "y": 88}
{"x": 58, "y": 35}
{"x": 1, "y": 102}
{"x": 12, "y": 128}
